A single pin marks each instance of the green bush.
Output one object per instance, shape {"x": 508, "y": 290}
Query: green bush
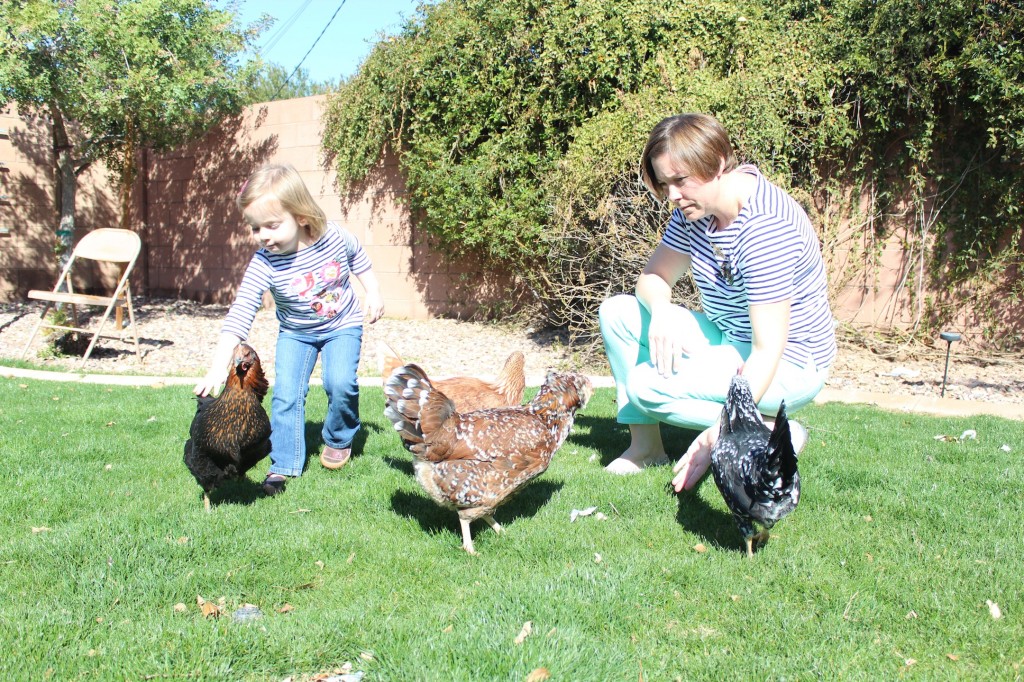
{"x": 519, "y": 127}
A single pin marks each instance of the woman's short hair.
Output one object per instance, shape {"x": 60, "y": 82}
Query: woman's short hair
{"x": 285, "y": 183}
{"x": 696, "y": 142}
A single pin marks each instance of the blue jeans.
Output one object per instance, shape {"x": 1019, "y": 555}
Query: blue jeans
{"x": 296, "y": 356}
{"x": 693, "y": 397}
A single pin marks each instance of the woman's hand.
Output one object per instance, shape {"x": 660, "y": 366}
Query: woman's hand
{"x": 667, "y": 336}
{"x": 692, "y": 465}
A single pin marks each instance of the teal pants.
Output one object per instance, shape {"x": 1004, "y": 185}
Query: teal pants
{"x": 692, "y": 397}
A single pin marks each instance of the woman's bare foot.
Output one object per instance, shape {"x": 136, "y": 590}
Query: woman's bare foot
{"x": 645, "y": 450}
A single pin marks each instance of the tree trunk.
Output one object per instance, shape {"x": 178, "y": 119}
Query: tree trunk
{"x": 67, "y": 182}
{"x": 128, "y": 172}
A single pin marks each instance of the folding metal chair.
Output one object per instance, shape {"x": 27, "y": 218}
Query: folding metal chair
{"x": 102, "y": 245}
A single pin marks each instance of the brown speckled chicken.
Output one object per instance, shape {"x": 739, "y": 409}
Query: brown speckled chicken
{"x": 469, "y": 393}
{"x": 230, "y": 434}
{"x": 473, "y": 462}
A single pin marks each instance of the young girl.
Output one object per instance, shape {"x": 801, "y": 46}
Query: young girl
{"x": 305, "y": 263}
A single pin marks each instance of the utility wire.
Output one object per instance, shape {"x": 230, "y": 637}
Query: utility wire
{"x": 295, "y": 70}
{"x": 279, "y": 32}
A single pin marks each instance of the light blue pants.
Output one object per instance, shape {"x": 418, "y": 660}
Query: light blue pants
{"x": 693, "y": 397}
{"x": 296, "y": 356}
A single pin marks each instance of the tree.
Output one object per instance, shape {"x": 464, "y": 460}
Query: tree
{"x": 272, "y": 83}
{"x": 125, "y": 74}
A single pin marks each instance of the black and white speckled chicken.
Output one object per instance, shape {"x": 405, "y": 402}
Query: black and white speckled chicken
{"x": 473, "y": 462}
{"x": 754, "y": 467}
{"x": 230, "y": 434}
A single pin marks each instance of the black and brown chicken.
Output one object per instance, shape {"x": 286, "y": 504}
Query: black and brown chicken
{"x": 754, "y": 468}
{"x": 473, "y": 462}
{"x": 469, "y": 393}
{"x": 230, "y": 433}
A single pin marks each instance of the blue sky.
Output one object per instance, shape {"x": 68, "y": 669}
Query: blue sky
{"x": 344, "y": 45}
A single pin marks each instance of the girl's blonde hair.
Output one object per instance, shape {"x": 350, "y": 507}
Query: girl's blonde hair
{"x": 697, "y": 142}
{"x": 285, "y": 183}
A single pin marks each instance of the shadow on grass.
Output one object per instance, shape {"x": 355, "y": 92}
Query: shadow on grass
{"x": 434, "y": 518}
{"x": 315, "y": 441}
{"x": 242, "y": 491}
{"x": 401, "y": 465}
{"x": 610, "y": 439}
{"x": 715, "y": 526}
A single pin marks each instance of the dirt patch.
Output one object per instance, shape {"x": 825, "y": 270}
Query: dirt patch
{"x": 177, "y": 338}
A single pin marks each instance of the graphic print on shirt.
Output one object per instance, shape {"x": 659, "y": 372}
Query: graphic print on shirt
{"x": 321, "y": 289}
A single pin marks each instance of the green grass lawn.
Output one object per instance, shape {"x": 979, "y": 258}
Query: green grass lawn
{"x": 884, "y": 570}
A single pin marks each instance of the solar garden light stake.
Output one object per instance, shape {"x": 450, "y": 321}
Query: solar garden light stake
{"x": 949, "y": 338}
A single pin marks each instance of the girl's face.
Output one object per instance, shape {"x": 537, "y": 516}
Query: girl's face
{"x": 277, "y": 230}
{"x": 695, "y": 198}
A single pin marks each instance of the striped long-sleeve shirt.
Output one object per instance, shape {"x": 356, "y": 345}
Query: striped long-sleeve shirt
{"x": 770, "y": 253}
{"x": 311, "y": 287}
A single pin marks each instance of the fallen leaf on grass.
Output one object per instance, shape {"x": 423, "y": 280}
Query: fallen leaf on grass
{"x": 180, "y": 608}
{"x": 700, "y": 548}
{"x": 22, "y": 385}
{"x": 208, "y": 608}
{"x": 286, "y": 608}
{"x": 110, "y": 423}
{"x": 525, "y": 632}
{"x": 993, "y": 609}
{"x": 300, "y": 511}
{"x": 576, "y": 513}
{"x": 911, "y": 615}
{"x": 538, "y": 675}
{"x": 968, "y": 434}
{"x": 319, "y": 564}
{"x": 39, "y": 529}
{"x": 367, "y": 656}
{"x": 953, "y": 657}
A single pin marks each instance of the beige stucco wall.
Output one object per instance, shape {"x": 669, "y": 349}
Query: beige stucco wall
{"x": 195, "y": 243}
{"x": 196, "y": 246}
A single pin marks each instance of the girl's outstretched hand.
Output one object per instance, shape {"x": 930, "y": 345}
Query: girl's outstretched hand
{"x": 692, "y": 465}
{"x": 374, "y": 308}
{"x": 212, "y": 384}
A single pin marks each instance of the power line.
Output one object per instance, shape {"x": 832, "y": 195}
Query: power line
{"x": 280, "y": 31}
{"x": 295, "y": 70}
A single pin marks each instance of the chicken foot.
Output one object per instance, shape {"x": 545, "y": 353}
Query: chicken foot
{"x": 755, "y": 541}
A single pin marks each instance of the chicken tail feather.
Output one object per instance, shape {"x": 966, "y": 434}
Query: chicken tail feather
{"x": 388, "y": 360}
{"x": 414, "y": 407}
{"x": 511, "y": 381}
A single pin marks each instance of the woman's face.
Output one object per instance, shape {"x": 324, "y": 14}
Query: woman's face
{"x": 692, "y": 196}
{"x": 277, "y": 230}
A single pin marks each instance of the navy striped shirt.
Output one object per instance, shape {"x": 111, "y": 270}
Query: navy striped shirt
{"x": 311, "y": 286}
{"x": 769, "y": 254}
